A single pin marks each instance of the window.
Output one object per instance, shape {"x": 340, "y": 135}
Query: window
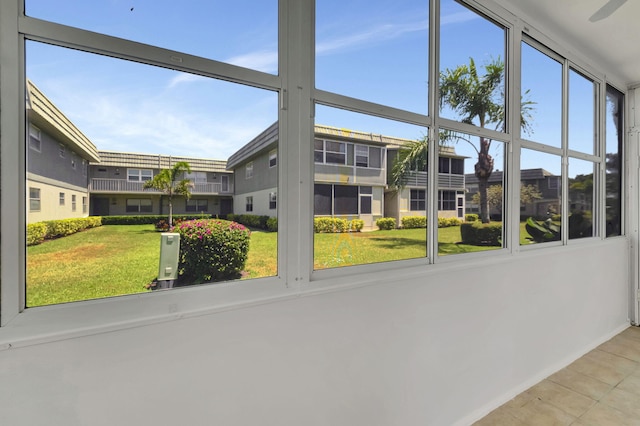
{"x": 447, "y": 200}
{"x": 35, "y": 142}
{"x": 418, "y": 200}
{"x": 272, "y": 200}
{"x": 366, "y": 198}
{"x": 61, "y": 199}
{"x": 34, "y": 199}
{"x": 335, "y": 152}
{"x": 581, "y": 190}
{"x": 196, "y": 177}
{"x": 73, "y": 160}
{"x": 84, "y": 205}
{"x": 273, "y": 158}
{"x": 62, "y": 151}
{"x": 84, "y": 167}
{"x": 73, "y": 202}
{"x": 139, "y": 205}
{"x": 139, "y": 175}
{"x": 614, "y": 128}
{"x": 196, "y": 205}
{"x": 362, "y": 156}
{"x": 248, "y": 204}
{"x": 248, "y": 170}
{"x": 224, "y": 183}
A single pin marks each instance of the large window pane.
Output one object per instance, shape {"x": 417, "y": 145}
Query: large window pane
{"x": 540, "y": 197}
{"x": 541, "y": 97}
{"x": 386, "y": 41}
{"x": 130, "y": 122}
{"x": 614, "y": 131}
{"x": 472, "y": 67}
{"x": 218, "y": 30}
{"x": 362, "y": 189}
{"x": 581, "y": 190}
{"x": 582, "y": 117}
{"x": 470, "y": 205}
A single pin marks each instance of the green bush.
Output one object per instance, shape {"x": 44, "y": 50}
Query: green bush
{"x": 445, "y": 222}
{"x": 330, "y": 224}
{"x": 481, "y": 234}
{"x": 471, "y": 217}
{"x": 386, "y": 223}
{"x": 356, "y": 225}
{"x": 411, "y": 222}
{"x": 36, "y": 233}
{"x": 272, "y": 224}
{"x": 211, "y": 250}
{"x": 252, "y": 220}
{"x": 149, "y": 219}
{"x": 50, "y": 229}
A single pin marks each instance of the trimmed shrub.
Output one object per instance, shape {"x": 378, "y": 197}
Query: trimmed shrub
{"x": 386, "y": 223}
{"x": 272, "y": 224}
{"x": 481, "y": 234}
{"x": 412, "y": 222}
{"x": 36, "y": 233}
{"x": 356, "y": 225}
{"x": 445, "y": 222}
{"x": 211, "y": 250}
{"x": 330, "y": 224}
{"x": 471, "y": 217}
{"x": 149, "y": 219}
{"x": 252, "y": 220}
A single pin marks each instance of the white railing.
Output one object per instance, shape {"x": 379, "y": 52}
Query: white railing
{"x": 125, "y": 186}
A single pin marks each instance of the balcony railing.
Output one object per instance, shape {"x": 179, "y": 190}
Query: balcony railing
{"x": 125, "y": 186}
{"x": 445, "y": 180}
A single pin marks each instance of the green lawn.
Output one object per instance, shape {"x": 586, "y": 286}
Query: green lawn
{"x": 121, "y": 259}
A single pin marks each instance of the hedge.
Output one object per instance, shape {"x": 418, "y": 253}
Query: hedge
{"x": 445, "y": 222}
{"x": 471, "y": 217}
{"x": 50, "y": 229}
{"x": 481, "y": 234}
{"x": 255, "y": 221}
{"x": 148, "y": 219}
{"x": 386, "y": 223}
{"x": 412, "y": 222}
{"x": 336, "y": 225}
{"x": 211, "y": 250}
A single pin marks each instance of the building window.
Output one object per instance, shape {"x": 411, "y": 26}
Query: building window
{"x": 139, "y": 175}
{"x": 248, "y": 170}
{"x": 330, "y": 152}
{"x": 197, "y": 205}
{"x": 447, "y": 200}
{"x": 84, "y": 167}
{"x": 338, "y": 199}
{"x": 84, "y": 204}
{"x": 73, "y": 160}
{"x": 273, "y": 158}
{"x": 61, "y": 199}
{"x": 249, "y": 204}
{"x": 34, "y": 199}
{"x": 362, "y": 156}
{"x": 272, "y": 200}
{"x": 366, "y": 198}
{"x": 139, "y": 205}
{"x": 196, "y": 177}
{"x": 417, "y": 200}
{"x": 224, "y": 183}
{"x": 62, "y": 151}
{"x": 35, "y": 141}
{"x": 73, "y": 202}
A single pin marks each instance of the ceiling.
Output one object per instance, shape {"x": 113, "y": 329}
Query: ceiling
{"x": 612, "y": 43}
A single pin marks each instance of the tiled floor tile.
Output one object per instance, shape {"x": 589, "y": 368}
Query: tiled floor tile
{"x": 631, "y": 384}
{"x": 624, "y": 401}
{"x": 499, "y": 417}
{"x": 603, "y": 415}
{"x": 541, "y": 413}
{"x": 606, "y": 367}
{"x": 561, "y": 397}
{"x": 583, "y": 384}
{"x": 625, "y": 348}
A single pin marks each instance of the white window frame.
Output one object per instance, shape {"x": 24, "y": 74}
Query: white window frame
{"x": 295, "y": 244}
{"x": 273, "y": 158}
{"x": 273, "y": 200}
{"x": 35, "y": 199}
{"x": 141, "y": 175}
{"x": 61, "y": 198}
{"x": 248, "y": 204}
{"x": 35, "y": 138}
{"x": 248, "y": 170}
{"x": 73, "y": 202}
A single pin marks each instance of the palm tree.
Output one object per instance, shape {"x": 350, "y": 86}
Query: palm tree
{"x": 167, "y": 182}
{"x": 472, "y": 97}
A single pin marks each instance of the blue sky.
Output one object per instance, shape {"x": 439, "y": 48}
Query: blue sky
{"x": 374, "y": 50}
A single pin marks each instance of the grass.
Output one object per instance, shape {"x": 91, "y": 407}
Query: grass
{"x": 121, "y": 259}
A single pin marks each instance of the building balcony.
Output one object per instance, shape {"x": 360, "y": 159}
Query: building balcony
{"x": 445, "y": 180}
{"x": 123, "y": 186}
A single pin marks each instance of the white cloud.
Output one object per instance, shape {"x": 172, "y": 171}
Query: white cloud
{"x": 184, "y": 78}
{"x": 266, "y": 61}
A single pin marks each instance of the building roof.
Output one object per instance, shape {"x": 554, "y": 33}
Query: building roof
{"x": 269, "y": 137}
{"x": 498, "y": 176}
{"x": 158, "y": 161}
{"x": 45, "y": 115}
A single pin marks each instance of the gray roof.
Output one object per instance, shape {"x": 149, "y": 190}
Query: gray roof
{"x": 156, "y": 161}
{"x": 498, "y": 176}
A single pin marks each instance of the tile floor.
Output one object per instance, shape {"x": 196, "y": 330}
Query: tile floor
{"x": 600, "y": 389}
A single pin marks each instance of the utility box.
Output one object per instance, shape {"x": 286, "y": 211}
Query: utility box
{"x": 169, "y": 252}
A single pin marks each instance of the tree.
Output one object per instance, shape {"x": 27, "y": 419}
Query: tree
{"x": 528, "y": 194}
{"x": 167, "y": 182}
{"x": 479, "y": 97}
{"x": 472, "y": 97}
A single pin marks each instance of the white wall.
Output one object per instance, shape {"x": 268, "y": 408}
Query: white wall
{"x": 441, "y": 349}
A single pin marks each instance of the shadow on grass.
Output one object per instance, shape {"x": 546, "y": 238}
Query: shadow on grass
{"x": 398, "y": 242}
